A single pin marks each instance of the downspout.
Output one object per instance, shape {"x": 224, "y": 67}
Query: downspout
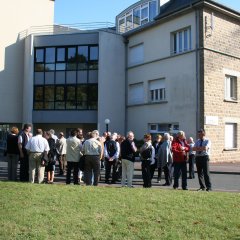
{"x": 126, "y": 85}
{"x": 197, "y": 22}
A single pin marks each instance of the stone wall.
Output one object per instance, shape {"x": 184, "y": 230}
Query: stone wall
{"x": 221, "y": 57}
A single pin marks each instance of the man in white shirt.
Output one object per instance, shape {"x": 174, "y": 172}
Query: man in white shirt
{"x": 37, "y": 146}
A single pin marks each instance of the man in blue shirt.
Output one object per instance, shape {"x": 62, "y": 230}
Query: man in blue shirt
{"x": 202, "y": 148}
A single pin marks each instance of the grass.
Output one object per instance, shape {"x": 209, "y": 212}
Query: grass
{"x": 32, "y": 211}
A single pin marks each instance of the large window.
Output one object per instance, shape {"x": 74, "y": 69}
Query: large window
{"x": 157, "y": 91}
{"x": 137, "y": 16}
{"x": 66, "y": 58}
{"x": 230, "y": 135}
{"x": 66, "y": 78}
{"x": 230, "y": 88}
{"x": 69, "y": 97}
{"x": 181, "y": 41}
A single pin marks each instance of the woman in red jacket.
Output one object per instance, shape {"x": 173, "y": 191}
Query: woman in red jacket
{"x": 180, "y": 149}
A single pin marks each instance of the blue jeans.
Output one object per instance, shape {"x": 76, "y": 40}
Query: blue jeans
{"x": 180, "y": 168}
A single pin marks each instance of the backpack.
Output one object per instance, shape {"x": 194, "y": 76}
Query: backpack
{"x": 111, "y": 147}
{"x": 147, "y": 153}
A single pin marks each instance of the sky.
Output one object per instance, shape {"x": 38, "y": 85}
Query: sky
{"x": 89, "y": 11}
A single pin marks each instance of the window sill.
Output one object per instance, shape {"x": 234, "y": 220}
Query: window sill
{"x": 230, "y": 149}
{"x": 230, "y": 100}
{"x": 145, "y": 104}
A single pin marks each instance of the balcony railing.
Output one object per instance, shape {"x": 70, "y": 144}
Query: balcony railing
{"x": 67, "y": 28}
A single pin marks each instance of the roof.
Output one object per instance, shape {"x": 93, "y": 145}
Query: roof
{"x": 176, "y": 5}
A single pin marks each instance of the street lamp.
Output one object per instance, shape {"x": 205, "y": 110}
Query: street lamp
{"x": 107, "y": 121}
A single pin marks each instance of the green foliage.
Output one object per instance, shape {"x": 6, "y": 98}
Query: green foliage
{"x": 32, "y": 211}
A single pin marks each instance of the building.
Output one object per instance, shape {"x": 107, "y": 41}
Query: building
{"x": 163, "y": 68}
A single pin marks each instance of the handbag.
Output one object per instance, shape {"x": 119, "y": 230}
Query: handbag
{"x": 82, "y": 163}
{"x": 44, "y": 160}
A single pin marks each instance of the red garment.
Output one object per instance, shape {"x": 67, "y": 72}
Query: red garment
{"x": 178, "y": 154}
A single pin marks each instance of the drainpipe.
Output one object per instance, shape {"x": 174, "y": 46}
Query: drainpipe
{"x": 126, "y": 85}
{"x": 197, "y": 22}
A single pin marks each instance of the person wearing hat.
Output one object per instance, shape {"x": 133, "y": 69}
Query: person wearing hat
{"x": 202, "y": 148}
{"x": 61, "y": 151}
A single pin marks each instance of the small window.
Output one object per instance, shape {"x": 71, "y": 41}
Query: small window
{"x": 230, "y": 135}
{"x": 181, "y": 41}
{"x": 157, "y": 90}
{"x": 136, "y": 94}
{"x": 230, "y": 88}
{"x": 136, "y": 54}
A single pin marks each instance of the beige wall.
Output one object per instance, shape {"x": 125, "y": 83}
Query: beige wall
{"x": 15, "y": 17}
{"x": 178, "y": 71}
{"x": 111, "y": 82}
{"x": 221, "y": 57}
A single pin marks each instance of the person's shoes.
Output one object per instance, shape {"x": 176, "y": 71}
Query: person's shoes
{"x": 166, "y": 184}
{"x": 208, "y": 189}
{"x": 190, "y": 177}
{"x": 185, "y": 189}
{"x": 113, "y": 182}
{"x": 201, "y": 189}
{"x": 175, "y": 188}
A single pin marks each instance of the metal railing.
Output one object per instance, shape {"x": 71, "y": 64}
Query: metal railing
{"x": 67, "y": 28}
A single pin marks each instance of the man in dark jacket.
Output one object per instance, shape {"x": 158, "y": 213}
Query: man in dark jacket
{"x": 23, "y": 139}
{"x": 128, "y": 148}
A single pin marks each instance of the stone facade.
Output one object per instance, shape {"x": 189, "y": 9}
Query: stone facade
{"x": 220, "y": 57}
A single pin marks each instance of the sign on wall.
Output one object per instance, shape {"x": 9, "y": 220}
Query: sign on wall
{"x": 211, "y": 120}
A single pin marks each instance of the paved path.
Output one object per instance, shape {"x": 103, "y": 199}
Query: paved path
{"x": 224, "y": 176}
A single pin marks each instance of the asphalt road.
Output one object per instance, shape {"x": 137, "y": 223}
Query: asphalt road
{"x": 221, "y": 181}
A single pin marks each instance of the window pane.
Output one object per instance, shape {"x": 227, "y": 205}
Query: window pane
{"x": 38, "y": 105}
{"x": 129, "y": 22}
{"x": 50, "y": 55}
{"x": 38, "y": 93}
{"x": 71, "y": 55}
{"x": 39, "y": 67}
{"x": 185, "y": 40}
{"x": 180, "y": 41}
{"x": 82, "y": 54}
{"x": 59, "y": 93}
{"x": 39, "y": 55}
{"x": 71, "y": 105}
{"x": 60, "y": 54}
{"x": 49, "y": 93}
{"x": 94, "y": 53}
{"x": 82, "y": 93}
{"x": 136, "y": 16}
{"x": 71, "y": 93}
{"x": 93, "y": 93}
{"x": 82, "y": 57}
{"x": 82, "y": 97}
{"x": 49, "y": 105}
{"x": 93, "y": 105}
{"x": 144, "y": 12}
{"x": 152, "y": 10}
{"x": 49, "y": 67}
{"x": 60, "y": 66}
{"x": 59, "y": 105}
{"x": 121, "y": 25}
{"x": 175, "y": 43}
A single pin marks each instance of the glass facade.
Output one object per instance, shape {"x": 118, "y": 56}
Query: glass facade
{"x": 65, "y": 78}
{"x": 137, "y": 16}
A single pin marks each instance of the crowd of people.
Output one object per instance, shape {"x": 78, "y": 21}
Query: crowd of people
{"x": 83, "y": 157}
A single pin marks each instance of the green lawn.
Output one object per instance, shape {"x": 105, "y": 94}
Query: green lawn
{"x": 32, "y": 211}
